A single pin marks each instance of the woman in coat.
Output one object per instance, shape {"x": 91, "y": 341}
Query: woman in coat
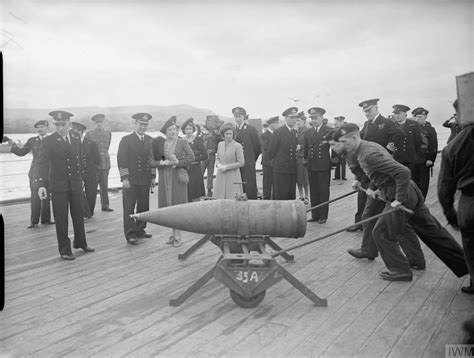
{"x": 229, "y": 158}
{"x": 196, "y": 180}
{"x": 172, "y": 155}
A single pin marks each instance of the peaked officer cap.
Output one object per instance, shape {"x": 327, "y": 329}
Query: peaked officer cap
{"x": 313, "y": 111}
{"x": 78, "y": 126}
{"x": 290, "y": 112}
{"x": 61, "y": 115}
{"x": 239, "y": 110}
{"x": 273, "y": 120}
{"x": 142, "y": 117}
{"x": 98, "y": 117}
{"x": 368, "y": 104}
{"x": 397, "y": 108}
{"x": 42, "y": 123}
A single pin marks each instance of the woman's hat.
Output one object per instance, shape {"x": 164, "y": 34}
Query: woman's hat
{"x": 170, "y": 122}
{"x": 188, "y": 122}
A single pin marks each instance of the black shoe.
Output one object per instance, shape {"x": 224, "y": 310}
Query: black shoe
{"x": 132, "y": 241}
{"x": 355, "y": 228}
{"x": 344, "y": 179}
{"x": 396, "y": 276}
{"x": 468, "y": 289}
{"x": 419, "y": 267}
{"x": 32, "y": 226}
{"x": 86, "y": 249}
{"x": 144, "y": 236}
{"x": 322, "y": 221}
{"x": 359, "y": 254}
{"x": 68, "y": 257}
{"x": 335, "y": 178}
{"x": 107, "y": 209}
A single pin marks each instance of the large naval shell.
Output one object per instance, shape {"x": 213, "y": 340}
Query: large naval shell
{"x": 230, "y": 217}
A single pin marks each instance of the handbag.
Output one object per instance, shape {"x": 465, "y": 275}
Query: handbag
{"x": 183, "y": 176}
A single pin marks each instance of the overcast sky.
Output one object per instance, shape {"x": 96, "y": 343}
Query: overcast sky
{"x": 223, "y": 54}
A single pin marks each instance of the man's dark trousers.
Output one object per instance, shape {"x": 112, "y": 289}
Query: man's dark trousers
{"x": 136, "y": 196}
{"x": 319, "y": 182}
{"x": 63, "y": 200}
{"x": 388, "y": 228}
{"x": 103, "y": 182}
{"x": 39, "y": 208}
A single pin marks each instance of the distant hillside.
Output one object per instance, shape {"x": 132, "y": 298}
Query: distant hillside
{"x": 21, "y": 120}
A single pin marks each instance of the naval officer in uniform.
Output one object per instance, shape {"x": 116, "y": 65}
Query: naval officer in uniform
{"x": 247, "y": 136}
{"x": 137, "y": 176}
{"x": 38, "y": 207}
{"x": 383, "y": 131}
{"x": 318, "y": 161}
{"x": 102, "y": 138}
{"x": 407, "y": 149}
{"x": 426, "y": 155}
{"x": 59, "y": 159}
{"x": 90, "y": 162}
{"x": 282, "y": 153}
{"x": 272, "y": 124}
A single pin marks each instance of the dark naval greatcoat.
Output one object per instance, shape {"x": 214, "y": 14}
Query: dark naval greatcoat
{"x": 38, "y": 207}
{"x": 133, "y": 158}
{"x": 318, "y": 159}
{"x": 247, "y": 136}
{"x": 409, "y": 146}
{"x": 282, "y": 153}
{"x": 61, "y": 163}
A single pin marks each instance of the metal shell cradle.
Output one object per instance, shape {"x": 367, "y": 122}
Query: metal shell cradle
{"x": 242, "y": 229}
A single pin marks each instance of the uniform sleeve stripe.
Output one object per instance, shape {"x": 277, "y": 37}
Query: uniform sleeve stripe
{"x": 123, "y": 171}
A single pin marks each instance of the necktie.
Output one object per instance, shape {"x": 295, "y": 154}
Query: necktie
{"x": 66, "y": 139}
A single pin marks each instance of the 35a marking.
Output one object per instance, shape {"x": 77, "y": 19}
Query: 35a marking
{"x": 246, "y": 276}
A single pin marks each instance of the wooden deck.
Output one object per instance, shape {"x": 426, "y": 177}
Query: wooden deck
{"x": 114, "y": 302}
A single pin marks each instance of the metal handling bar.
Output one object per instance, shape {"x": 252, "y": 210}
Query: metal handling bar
{"x": 401, "y": 207}
{"x": 332, "y": 200}
{"x": 278, "y": 253}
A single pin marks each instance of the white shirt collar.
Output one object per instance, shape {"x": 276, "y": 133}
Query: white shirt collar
{"x": 139, "y": 136}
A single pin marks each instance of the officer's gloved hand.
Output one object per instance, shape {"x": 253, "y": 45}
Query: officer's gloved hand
{"x": 429, "y": 163}
{"x": 42, "y": 193}
{"x": 356, "y": 185}
{"x": 126, "y": 184}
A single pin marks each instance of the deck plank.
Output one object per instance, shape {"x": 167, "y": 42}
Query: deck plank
{"x": 114, "y": 302}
